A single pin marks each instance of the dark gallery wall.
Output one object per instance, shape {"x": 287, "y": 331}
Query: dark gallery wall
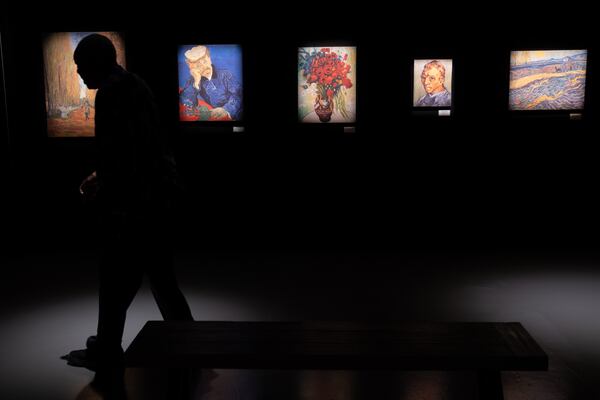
{"x": 3, "y": 121}
{"x": 484, "y": 179}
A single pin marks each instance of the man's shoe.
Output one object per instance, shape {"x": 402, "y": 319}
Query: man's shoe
{"x": 90, "y": 356}
{"x": 82, "y": 358}
{"x": 92, "y": 342}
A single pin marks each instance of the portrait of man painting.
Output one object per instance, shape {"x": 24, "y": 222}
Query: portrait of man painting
{"x": 547, "y": 80}
{"x": 69, "y": 102}
{"x": 432, "y": 83}
{"x": 327, "y": 84}
{"x": 210, "y": 83}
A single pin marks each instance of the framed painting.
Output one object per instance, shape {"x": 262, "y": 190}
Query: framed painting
{"x": 547, "y": 80}
{"x": 69, "y": 102}
{"x": 327, "y": 84}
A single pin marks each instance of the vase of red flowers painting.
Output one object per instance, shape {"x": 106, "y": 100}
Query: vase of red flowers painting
{"x": 327, "y": 71}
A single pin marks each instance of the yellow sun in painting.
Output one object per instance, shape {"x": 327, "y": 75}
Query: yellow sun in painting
{"x": 524, "y": 57}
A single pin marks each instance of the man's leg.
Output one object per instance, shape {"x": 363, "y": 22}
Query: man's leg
{"x": 120, "y": 279}
{"x": 165, "y": 288}
{"x": 158, "y": 263}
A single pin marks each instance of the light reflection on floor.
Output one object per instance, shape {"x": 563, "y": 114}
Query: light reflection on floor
{"x": 558, "y": 307}
{"x": 31, "y": 343}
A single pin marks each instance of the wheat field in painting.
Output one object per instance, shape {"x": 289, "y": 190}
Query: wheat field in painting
{"x": 547, "y": 80}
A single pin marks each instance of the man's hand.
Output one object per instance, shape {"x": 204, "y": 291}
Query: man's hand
{"x": 89, "y": 187}
{"x": 197, "y": 75}
{"x": 219, "y": 113}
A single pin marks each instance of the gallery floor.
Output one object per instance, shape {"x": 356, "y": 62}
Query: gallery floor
{"x": 48, "y": 307}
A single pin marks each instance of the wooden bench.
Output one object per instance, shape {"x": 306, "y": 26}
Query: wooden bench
{"x": 487, "y": 348}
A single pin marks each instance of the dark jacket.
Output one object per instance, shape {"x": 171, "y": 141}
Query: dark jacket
{"x": 136, "y": 169}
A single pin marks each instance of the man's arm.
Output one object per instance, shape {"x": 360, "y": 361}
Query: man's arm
{"x": 89, "y": 187}
{"x": 234, "y": 89}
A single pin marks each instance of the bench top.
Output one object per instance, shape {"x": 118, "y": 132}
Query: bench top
{"x": 337, "y": 345}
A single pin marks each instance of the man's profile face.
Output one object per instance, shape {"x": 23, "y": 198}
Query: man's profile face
{"x": 89, "y": 74}
{"x": 433, "y": 81}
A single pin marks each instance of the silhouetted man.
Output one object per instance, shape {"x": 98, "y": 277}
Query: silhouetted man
{"x": 134, "y": 184}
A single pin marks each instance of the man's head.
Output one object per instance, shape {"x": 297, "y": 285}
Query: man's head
{"x": 95, "y": 57}
{"x": 199, "y": 62}
{"x": 433, "y": 77}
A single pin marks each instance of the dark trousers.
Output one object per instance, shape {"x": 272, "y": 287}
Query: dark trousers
{"x": 132, "y": 248}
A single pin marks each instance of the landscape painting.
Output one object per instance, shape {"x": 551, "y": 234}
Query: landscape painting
{"x": 69, "y": 102}
{"x": 547, "y": 80}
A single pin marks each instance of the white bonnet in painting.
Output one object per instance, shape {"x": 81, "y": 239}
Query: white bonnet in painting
{"x": 196, "y": 53}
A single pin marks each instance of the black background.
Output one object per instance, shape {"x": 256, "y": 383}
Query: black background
{"x": 483, "y": 180}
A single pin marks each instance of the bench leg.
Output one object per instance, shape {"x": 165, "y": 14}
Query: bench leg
{"x": 181, "y": 383}
{"x": 490, "y": 385}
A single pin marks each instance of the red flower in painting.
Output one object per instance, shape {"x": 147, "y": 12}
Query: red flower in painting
{"x": 329, "y": 71}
